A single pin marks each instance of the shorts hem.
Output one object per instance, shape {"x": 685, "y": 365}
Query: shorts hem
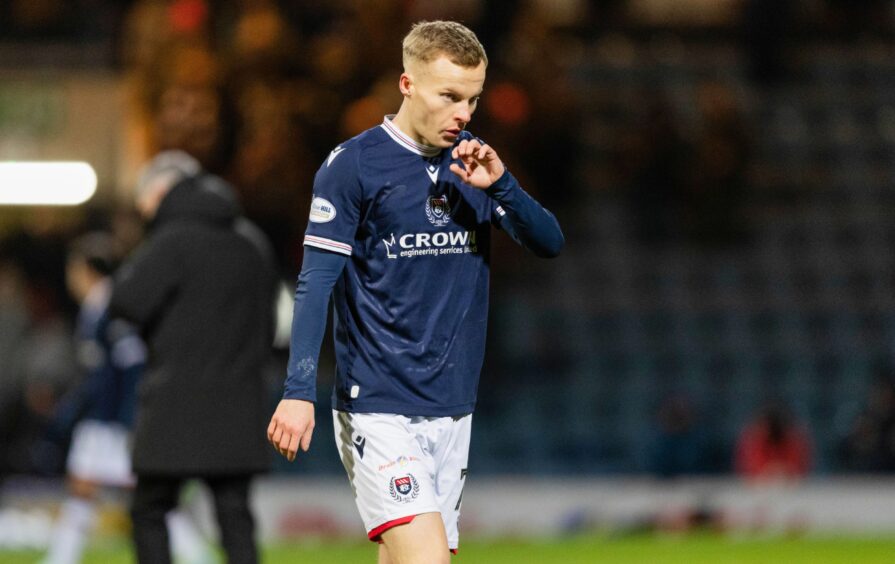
{"x": 375, "y": 534}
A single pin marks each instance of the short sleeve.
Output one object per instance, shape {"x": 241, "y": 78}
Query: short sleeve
{"x": 336, "y": 205}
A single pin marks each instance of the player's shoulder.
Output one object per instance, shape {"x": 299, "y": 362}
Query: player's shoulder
{"x": 349, "y": 152}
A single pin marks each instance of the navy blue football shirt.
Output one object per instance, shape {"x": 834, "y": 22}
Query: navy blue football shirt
{"x": 113, "y": 356}
{"x": 411, "y": 305}
{"x": 404, "y": 245}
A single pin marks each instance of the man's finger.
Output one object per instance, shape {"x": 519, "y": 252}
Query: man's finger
{"x": 483, "y": 151}
{"x": 306, "y": 439}
{"x": 283, "y": 443}
{"x": 292, "y": 449}
{"x": 277, "y": 435}
{"x": 271, "y": 429}
{"x": 459, "y": 171}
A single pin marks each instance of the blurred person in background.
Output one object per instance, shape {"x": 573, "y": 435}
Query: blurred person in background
{"x": 400, "y": 225}
{"x": 201, "y": 289}
{"x": 679, "y": 445}
{"x": 870, "y": 443}
{"x": 39, "y": 366}
{"x": 101, "y": 407}
{"x": 773, "y": 448}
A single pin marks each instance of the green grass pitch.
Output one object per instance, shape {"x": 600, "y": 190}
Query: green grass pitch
{"x": 645, "y": 549}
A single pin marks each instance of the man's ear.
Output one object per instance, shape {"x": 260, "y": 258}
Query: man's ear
{"x": 405, "y": 84}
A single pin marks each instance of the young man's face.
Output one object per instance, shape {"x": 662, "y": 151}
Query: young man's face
{"x": 441, "y": 97}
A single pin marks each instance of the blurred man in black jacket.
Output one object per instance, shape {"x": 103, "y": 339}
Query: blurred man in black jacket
{"x": 201, "y": 289}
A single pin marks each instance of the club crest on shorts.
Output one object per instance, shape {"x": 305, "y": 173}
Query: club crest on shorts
{"x": 438, "y": 210}
{"x": 404, "y": 488}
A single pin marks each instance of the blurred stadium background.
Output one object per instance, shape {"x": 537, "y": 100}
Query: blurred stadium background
{"x": 724, "y": 173}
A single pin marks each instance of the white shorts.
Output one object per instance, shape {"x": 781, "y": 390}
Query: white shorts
{"x": 100, "y": 452}
{"x": 400, "y": 467}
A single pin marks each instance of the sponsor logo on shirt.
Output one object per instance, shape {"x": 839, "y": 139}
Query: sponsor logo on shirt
{"x": 430, "y": 244}
{"x": 322, "y": 211}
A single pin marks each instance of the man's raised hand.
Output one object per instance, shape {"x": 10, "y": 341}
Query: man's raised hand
{"x": 481, "y": 165}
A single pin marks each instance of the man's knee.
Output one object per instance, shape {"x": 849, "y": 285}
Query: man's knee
{"x": 421, "y": 541}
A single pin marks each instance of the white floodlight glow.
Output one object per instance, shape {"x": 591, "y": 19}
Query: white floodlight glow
{"x": 46, "y": 183}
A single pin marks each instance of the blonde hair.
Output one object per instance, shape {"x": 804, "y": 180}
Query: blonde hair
{"x": 427, "y": 40}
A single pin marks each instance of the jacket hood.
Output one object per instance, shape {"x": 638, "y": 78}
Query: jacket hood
{"x": 201, "y": 198}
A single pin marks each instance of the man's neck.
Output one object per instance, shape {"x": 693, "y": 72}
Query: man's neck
{"x": 402, "y": 122}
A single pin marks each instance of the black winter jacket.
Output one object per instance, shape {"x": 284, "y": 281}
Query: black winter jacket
{"x": 201, "y": 288}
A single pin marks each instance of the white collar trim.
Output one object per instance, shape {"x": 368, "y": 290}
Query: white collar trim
{"x": 405, "y": 141}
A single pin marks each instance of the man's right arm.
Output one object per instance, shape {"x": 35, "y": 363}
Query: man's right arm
{"x": 292, "y": 424}
{"x": 145, "y": 282}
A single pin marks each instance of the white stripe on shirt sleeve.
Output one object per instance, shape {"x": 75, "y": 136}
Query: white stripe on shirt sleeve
{"x": 327, "y": 244}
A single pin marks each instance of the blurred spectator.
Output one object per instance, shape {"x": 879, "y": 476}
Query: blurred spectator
{"x": 773, "y": 447}
{"x": 99, "y": 411}
{"x": 679, "y": 446}
{"x": 101, "y": 406}
{"x": 870, "y": 444}
{"x": 202, "y": 290}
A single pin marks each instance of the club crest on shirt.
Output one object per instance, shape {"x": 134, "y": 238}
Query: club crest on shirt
{"x": 404, "y": 488}
{"x": 438, "y": 211}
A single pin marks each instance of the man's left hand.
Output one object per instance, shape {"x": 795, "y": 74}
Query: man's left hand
{"x": 481, "y": 165}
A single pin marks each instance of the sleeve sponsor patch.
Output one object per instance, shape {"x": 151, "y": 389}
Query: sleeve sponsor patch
{"x": 322, "y": 211}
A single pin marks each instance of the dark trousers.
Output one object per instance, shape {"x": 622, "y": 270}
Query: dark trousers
{"x": 155, "y": 496}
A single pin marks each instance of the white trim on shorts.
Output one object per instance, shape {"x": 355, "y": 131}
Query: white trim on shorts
{"x": 401, "y": 466}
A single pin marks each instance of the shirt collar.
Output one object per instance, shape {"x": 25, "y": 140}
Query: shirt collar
{"x": 405, "y": 141}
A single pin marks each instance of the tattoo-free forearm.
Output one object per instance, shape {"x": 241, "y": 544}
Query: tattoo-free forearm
{"x": 319, "y": 273}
